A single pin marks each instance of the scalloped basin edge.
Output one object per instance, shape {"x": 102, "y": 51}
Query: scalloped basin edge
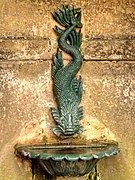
{"x": 67, "y": 160}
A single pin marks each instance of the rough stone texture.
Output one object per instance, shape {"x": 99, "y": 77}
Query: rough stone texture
{"x": 100, "y": 49}
{"x": 108, "y": 101}
{"x": 26, "y": 49}
{"x": 25, "y": 96}
{"x": 31, "y": 18}
{"x": 113, "y": 49}
{"x": 25, "y": 18}
{"x": 108, "y": 29}
{"x": 110, "y": 98}
{"x": 26, "y": 46}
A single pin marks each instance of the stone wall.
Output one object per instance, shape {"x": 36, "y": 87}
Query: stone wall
{"x": 27, "y": 43}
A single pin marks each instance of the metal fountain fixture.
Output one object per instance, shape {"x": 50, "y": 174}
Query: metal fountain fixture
{"x": 67, "y": 87}
{"x": 67, "y": 159}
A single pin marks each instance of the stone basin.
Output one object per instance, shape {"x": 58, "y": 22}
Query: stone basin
{"x": 67, "y": 160}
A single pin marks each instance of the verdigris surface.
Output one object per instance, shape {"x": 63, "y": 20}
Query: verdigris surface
{"x": 67, "y": 87}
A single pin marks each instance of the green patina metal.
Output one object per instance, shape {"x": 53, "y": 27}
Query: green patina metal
{"x": 67, "y": 87}
{"x": 68, "y": 160}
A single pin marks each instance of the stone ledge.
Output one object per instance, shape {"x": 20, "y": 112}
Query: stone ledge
{"x": 109, "y": 49}
{"x": 93, "y": 49}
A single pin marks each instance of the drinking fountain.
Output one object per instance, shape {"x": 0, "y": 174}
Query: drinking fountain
{"x": 69, "y": 159}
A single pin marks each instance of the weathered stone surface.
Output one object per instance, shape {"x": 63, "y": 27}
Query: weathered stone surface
{"x": 109, "y": 96}
{"x": 113, "y": 49}
{"x": 31, "y": 18}
{"x": 26, "y": 96}
{"x": 98, "y": 49}
{"x": 10, "y": 167}
{"x": 108, "y": 100}
{"x": 26, "y": 49}
{"x": 109, "y": 18}
{"x": 108, "y": 29}
{"x": 27, "y": 19}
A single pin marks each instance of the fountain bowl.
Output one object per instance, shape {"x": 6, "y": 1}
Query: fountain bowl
{"x": 67, "y": 160}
